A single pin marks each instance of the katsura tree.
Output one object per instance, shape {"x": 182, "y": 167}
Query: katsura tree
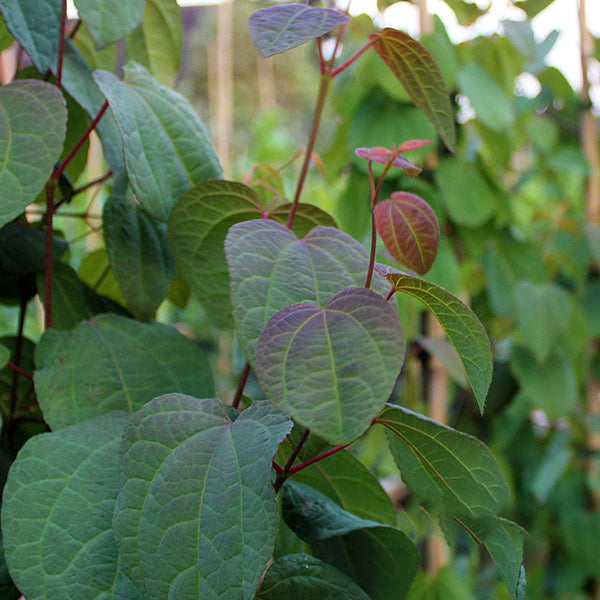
{"x": 125, "y": 476}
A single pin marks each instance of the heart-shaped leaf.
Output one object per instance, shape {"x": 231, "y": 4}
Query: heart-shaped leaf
{"x": 113, "y": 363}
{"x": 381, "y": 559}
{"x": 139, "y": 255}
{"x": 332, "y": 368}
{"x": 422, "y": 79}
{"x": 278, "y": 28}
{"x": 167, "y": 148}
{"x": 32, "y": 132}
{"x": 409, "y": 229}
{"x": 271, "y": 268}
{"x": 461, "y": 325}
{"x": 56, "y": 514}
{"x": 196, "y": 516}
{"x": 109, "y": 21}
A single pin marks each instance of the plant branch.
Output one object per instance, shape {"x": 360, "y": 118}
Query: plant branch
{"x": 19, "y": 371}
{"x": 295, "y": 452}
{"x": 60, "y": 170}
{"x": 324, "y": 84}
{"x": 314, "y": 459}
{"x": 61, "y": 43}
{"x": 350, "y": 60}
{"x": 241, "y": 385}
{"x": 91, "y": 183}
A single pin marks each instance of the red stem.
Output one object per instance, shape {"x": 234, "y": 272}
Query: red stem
{"x": 290, "y": 462}
{"x": 348, "y": 62}
{"x": 390, "y": 293}
{"x": 241, "y": 385}
{"x": 61, "y": 43}
{"x": 81, "y": 141}
{"x": 91, "y": 183}
{"x": 317, "y": 458}
{"x": 20, "y": 371}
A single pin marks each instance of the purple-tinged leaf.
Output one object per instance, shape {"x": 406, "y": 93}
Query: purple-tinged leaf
{"x": 332, "y": 369}
{"x": 279, "y": 28}
{"x": 422, "y": 79}
{"x": 409, "y": 229}
{"x": 382, "y": 156}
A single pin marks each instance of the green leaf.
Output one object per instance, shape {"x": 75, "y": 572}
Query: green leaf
{"x": 302, "y": 576}
{"x": 468, "y": 197}
{"x": 533, "y": 7}
{"x": 551, "y": 386}
{"x": 4, "y": 356}
{"x": 69, "y": 305}
{"x": 197, "y": 228}
{"x": 113, "y": 363}
{"x": 196, "y": 516}
{"x": 96, "y": 273}
{"x": 332, "y": 368}
{"x": 56, "y": 514}
{"x": 466, "y": 12}
{"x": 344, "y": 479}
{"x": 36, "y": 25}
{"x": 452, "y": 470}
{"x": 32, "y": 133}
{"x": 412, "y": 64}
{"x": 409, "y": 229}
{"x": 139, "y": 255}
{"x": 6, "y": 38}
{"x": 543, "y": 316}
{"x": 592, "y": 234}
{"x": 487, "y": 98}
{"x": 276, "y": 29}
{"x": 307, "y": 217}
{"x": 270, "y": 268}
{"x": 109, "y": 21}
{"x": 581, "y": 531}
{"x": 107, "y": 58}
{"x": 381, "y": 559}
{"x": 156, "y": 44}
{"x": 167, "y": 148}
{"x": 25, "y": 394}
{"x": 503, "y": 540}
{"x": 463, "y": 328}
{"x": 78, "y": 81}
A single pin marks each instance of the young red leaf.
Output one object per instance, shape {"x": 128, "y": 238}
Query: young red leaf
{"x": 409, "y": 229}
{"x": 422, "y": 79}
{"x": 382, "y": 155}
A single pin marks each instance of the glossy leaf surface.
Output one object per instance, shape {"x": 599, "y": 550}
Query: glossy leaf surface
{"x": 332, "y": 368}
{"x": 113, "y": 363}
{"x": 110, "y": 20}
{"x": 276, "y": 29}
{"x": 140, "y": 257}
{"x": 461, "y": 325}
{"x": 271, "y": 268}
{"x": 167, "y": 148}
{"x": 381, "y": 559}
{"x": 303, "y": 576}
{"x": 412, "y": 64}
{"x": 56, "y": 516}
{"x": 197, "y": 516}
{"x": 452, "y": 470}
{"x": 409, "y": 229}
{"x": 32, "y": 131}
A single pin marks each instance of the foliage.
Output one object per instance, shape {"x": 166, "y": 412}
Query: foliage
{"x": 127, "y": 476}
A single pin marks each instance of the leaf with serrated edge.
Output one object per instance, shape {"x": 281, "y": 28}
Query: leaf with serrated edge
{"x": 461, "y": 325}
{"x": 139, "y": 255}
{"x": 109, "y": 20}
{"x": 449, "y": 468}
{"x": 32, "y": 132}
{"x": 276, "y": 29}
{"x": 156, "y": 44}
{"x": 270, "y": 268}
{"x": 56, "y": 514}
{"x": 36, "y": 25}
{"x": 113, "y": 363}
{"x": 167, "y": 147}
{"x": 306, "y": 577}
{"x": 332, "y": 368}
{"x": 416, "y": 70}
{"x": 409, "y": 229}
{"x": 381, "y": 559}
{"x": 344, "y": 479}
{"x": 196, "y": 516}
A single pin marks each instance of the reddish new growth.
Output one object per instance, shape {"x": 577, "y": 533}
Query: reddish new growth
{"x": 394, "y": 156}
